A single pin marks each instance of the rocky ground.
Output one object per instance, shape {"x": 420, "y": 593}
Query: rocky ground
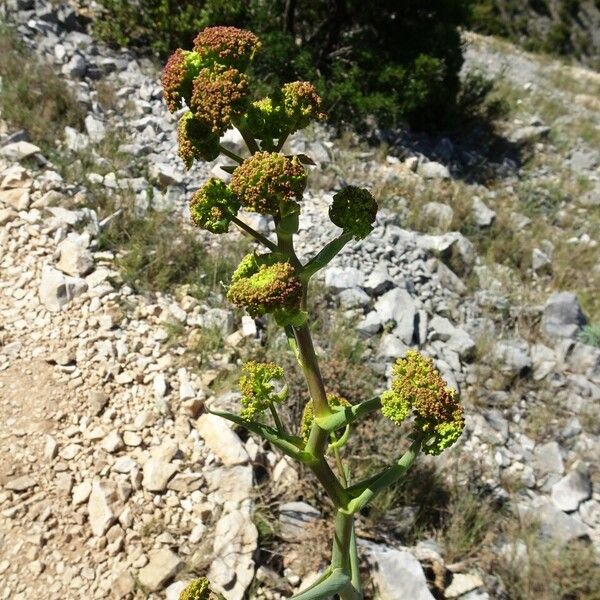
{"x": 115, "y": 482}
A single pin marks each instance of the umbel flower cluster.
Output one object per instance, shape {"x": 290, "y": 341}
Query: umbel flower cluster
{"x": 211, "y": 91}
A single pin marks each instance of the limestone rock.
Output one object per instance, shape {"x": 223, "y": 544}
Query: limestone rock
{"x": 438, "y": 214}
{"x": 157, "y": 473}
{"x": 338, "y": 279}
{"x": 95, "y": 128}
{"x": 548, "y": 459}
{"x": 19, "y": 150}
{"x": 162, "y": 566}
{"x": 233, "y": 485}
{"x": 75, "y": 259}
{"x": 396, "y": 573}
{"x": 235, "y": 542}
{"x": 572, "y": 489}
{"x": 16, "y": 198}
{"x": 294, "y": 519}
{"x": 433, "y": 170}
{"x": 221, "y": 440}
{"x": 20, "y": 484}
{"x": 562, "y": 317}
{"x": 481, "y": 213}
{"x": 56, "y": 290}
{"x": 100, "y": 511}
{"x": 398, "y": 306}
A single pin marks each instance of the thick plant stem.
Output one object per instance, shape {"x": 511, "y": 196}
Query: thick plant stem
{"x": 312, "y": 373}
{"x": 330, "y": 482}
{"x": 354, "y": 563}
{"x": 344, "y": 555}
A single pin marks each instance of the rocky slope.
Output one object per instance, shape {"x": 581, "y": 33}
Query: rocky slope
{"x": 116, "y": 483}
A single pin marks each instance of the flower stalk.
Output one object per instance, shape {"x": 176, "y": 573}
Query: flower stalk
{"x": 211, "y": 81}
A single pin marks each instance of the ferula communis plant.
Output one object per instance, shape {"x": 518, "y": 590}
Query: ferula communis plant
{"x": 210, "y": 81}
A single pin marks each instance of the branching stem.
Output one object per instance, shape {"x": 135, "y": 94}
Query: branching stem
{"x": 259, "y": 237}
{"x": 230, "y": 154}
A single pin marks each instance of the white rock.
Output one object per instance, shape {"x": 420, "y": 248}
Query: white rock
{"x": 161, "y": 567}
{"x": 95, "y": 128}
{"x": 235, "y": 543}
{"x": 482, "y": 214}
{"x": 221, "y": 440}
{"x": 56, "y": 290}
{"x": 174, "y": 590}
{"x": 232, "y": 485}
{"x": 81, "y": 492}
{"x": 18, "y": 198}
{"x": 100, "y": 512}
{"x": 433, "y": 170}
{"x": 19, "y": 150}
{"x": 572, "y": 489}
{"x": 395, "y": 570}
{"x": 342, "y": 278}
{"x": 463, "y": 583}
{"x": 157, "y": 474}
{"x": 249, "y": 327}
{"x": 75, "y": 259}
{"x": 112, "y": 442}
{"x": 75, "y": 141}
{"x": 165, "y": 174}
{"x": 160, "y": 386}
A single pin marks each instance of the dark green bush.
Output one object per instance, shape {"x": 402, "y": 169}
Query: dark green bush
{"x": 563, "y": 27}
{"x": 396, "y": 60}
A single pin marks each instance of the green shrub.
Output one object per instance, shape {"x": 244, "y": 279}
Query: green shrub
{"x": 398, "y": 63}
{"x": 590, "y": 334}
{"x": 541, "y": 26}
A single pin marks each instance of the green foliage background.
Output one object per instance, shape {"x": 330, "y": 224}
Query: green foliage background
{"x": 562, "y": 27}
{"x": 396, "y": 60}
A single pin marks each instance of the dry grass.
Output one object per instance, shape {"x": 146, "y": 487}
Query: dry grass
{"x": 32, "y": 96}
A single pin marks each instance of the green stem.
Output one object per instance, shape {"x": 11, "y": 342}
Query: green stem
{"x": 259, "y": 237}
{"x": 329, "y": 481}
{"x": 230, "y": 154}
{"x": 325, "y": 256}
{"x": 276, "y": 418}
{"x": 354, "y": 562}
{"x": 281, "y": 141}
{"x": 337, "y": 443}
{"x": 389, "y": 476}
{"x": 312, "y": 373}
{"x": 291, "y": 338}
{"x": 344, "y": 557}
{"x": 250, "y": 141}
{"x": 346, "y": 416}
{"x": 340, "y": 466}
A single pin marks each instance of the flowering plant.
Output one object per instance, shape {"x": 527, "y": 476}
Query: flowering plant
{"x": 211, "y": 82}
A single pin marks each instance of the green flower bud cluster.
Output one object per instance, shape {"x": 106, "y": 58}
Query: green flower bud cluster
{"x": 266, "y": 284}
{"x": 199, "y": 589}
{"x": 354, "y": 210}
{"x": 283, "y": 113}
{"x": 308, "y": 413}
{"x": 213, "y": 206}
{"x": 269, "y": 182}
{"x": 196, "y": 140}
{"x": 211, "y": 82}
{"x": 419, "y": 389}
{"x": 256, "y": 387}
